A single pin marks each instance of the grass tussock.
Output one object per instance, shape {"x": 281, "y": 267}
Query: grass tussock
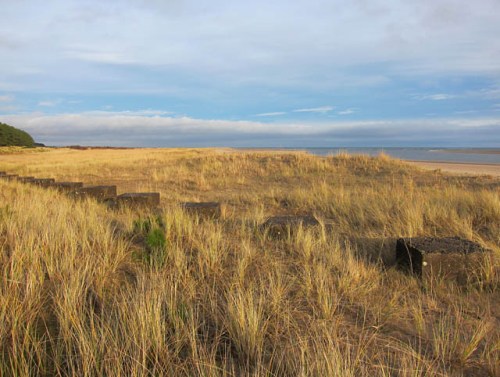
{"x": 89, "y": 291}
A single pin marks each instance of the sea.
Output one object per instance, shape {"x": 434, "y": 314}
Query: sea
{"x": 460, "y": 155}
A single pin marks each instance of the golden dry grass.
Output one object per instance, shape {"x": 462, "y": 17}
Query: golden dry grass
{"x": 82, "y": 293}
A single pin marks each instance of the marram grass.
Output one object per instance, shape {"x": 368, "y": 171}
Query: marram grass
{"x": 89, "y": 291}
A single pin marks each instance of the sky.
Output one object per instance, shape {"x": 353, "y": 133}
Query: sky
{"x": 252, "y": 73}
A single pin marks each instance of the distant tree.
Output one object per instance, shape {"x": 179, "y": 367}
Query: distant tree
{"x": 11, "y": 136}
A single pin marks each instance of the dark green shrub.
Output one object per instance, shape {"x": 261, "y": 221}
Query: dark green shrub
{"x": 11, "y": 136}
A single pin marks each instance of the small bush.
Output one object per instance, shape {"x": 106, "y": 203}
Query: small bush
{"x": 11, "y": 136}
{"x": 155, "y": 243}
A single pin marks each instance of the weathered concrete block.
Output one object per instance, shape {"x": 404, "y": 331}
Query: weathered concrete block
{"x": 66, "y": 186}
{"x": 139, "y": 200}
{"x": 374, "y": 250}
{"x": 43, "y": 182}
{"x": 9, "y": 177}
{"x": 280, "y": 226}
{"x": 25, "y": 179}
{"x": 204, "y": 209}
{"x": 449, "y": 257}
{"x": 101, "y": 193}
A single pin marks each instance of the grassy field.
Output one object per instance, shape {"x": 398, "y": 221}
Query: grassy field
{"x": 85, "y": 290}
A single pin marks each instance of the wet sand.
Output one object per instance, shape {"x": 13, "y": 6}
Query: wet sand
{"x": 460, "y": 168}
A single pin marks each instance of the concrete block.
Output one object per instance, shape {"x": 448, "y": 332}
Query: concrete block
{"x": 448, "y": 257}
{"x": 139, "y": 200}
{"x": 25, "y": 179}
{"x": 203, "y": 209}
{"x": 281, "y": 226}
{"x": 374, "y": 250}
{"x": 66, "y": 186}
{"x": 100, "y": 193}
{"x": 9, "y": 177}
{"x": 43, "y": 182}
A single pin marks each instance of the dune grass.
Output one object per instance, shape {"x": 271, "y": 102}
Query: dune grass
{"x": 85, "y": 290}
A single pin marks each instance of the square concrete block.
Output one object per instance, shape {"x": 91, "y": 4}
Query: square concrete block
{"x": 139, "y": 200}
{"x": 100, "y": 193}
{"x": 204, "y": 209}
{"x": 66, "y": 186}
{"x": 375, "y": 250}
{"x": 280, "y": 226}
{"x": 25, "y": 179}
{"x": 9, "y": 177}
{"x": 448, "y": 257}
{"x": 43, "y": 182}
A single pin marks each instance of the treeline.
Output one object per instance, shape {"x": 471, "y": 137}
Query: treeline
{"x": 11, "y": 136}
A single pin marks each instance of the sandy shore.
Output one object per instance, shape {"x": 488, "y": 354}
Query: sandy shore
{"x": 460, "y": 168}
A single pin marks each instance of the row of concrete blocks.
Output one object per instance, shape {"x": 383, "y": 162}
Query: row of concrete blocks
{"x": 420, "y": 256}
{"x": 106, "y": 194}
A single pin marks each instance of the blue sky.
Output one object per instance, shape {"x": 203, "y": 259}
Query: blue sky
{"x": 260, "y": 73}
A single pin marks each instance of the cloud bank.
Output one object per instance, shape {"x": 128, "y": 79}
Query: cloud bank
{"x": 119, "y": 129}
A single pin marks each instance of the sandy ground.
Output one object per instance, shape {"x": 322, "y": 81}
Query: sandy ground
{"x": 460, "y": 168}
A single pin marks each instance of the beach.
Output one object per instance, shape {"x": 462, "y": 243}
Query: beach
{"x": 460, "y": 167}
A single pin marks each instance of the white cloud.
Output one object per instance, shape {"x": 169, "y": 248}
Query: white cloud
{"x": 102, "y": 57}
{"x": 220, "y": 39}
{"x": 346, "y": 112}
{"x": 272, "y": 114}
{"x": 466, "y": 112}
{"x": 143, "y": 122}
{"x": 145, "y": 113}
{"x": 437, "y": 97}
{"x": 122, "y": 128}
{"x": 6, "y": 98}
{"x": 322, "y": 110}
{"x": 490, "y": 93}
{"x": 49, "y": 103}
